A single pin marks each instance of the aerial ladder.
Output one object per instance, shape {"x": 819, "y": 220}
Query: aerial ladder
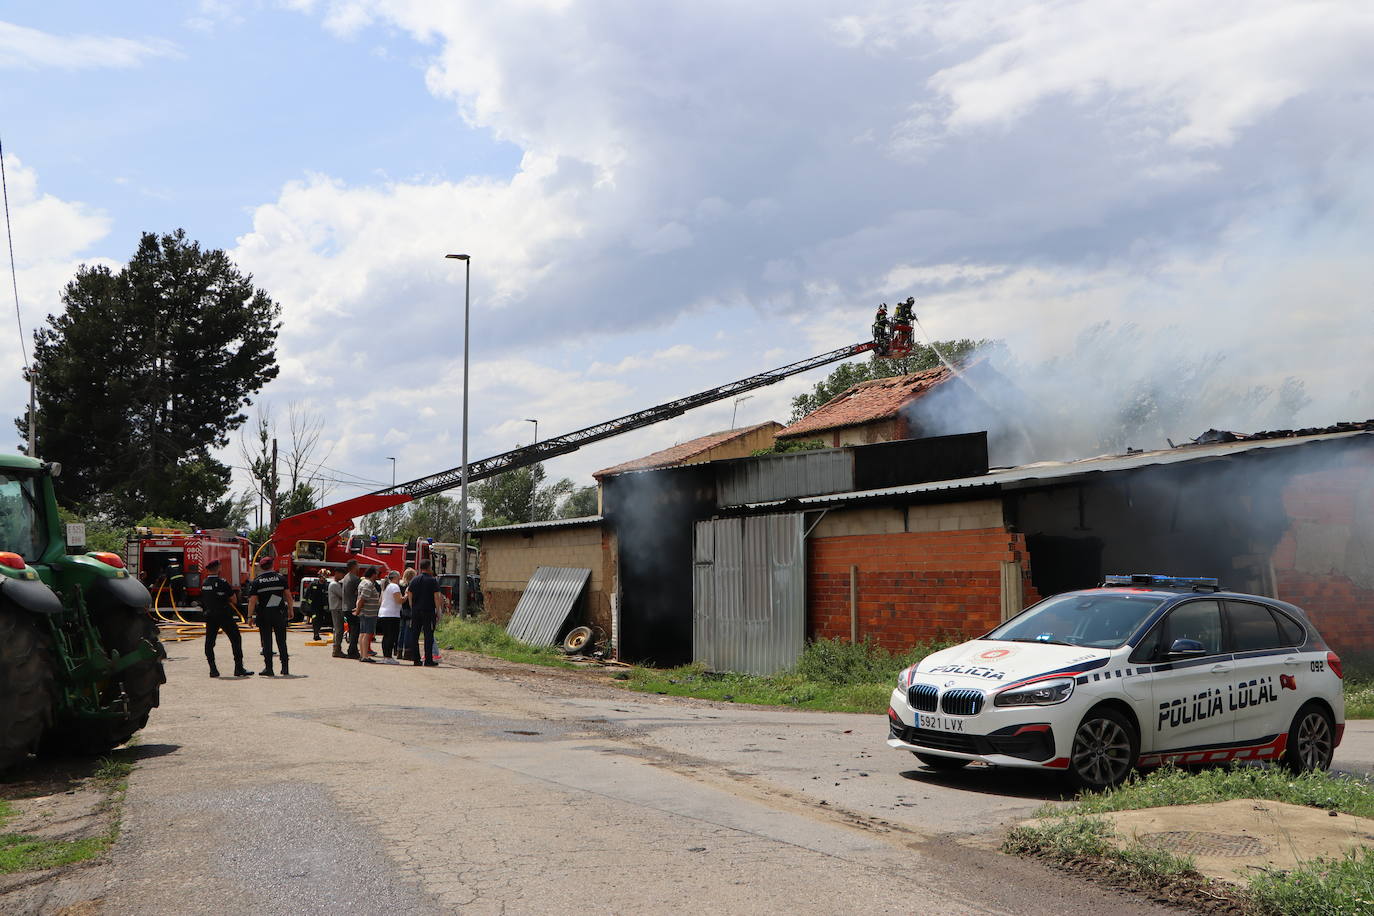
{"x": 329, "y": 521}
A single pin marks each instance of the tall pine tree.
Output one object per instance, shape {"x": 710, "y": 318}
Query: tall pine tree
{"x": 145, "y": 373}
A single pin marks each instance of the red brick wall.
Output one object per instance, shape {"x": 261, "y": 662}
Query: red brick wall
{"x": 912, "y": 586}
{"x": 1325, "y": 507}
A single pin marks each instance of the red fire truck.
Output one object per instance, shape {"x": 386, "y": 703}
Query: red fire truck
{"x": 323, "y": 538}
{"x": 171, "y": 561}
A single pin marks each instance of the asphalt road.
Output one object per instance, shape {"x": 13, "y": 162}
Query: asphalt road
{"x": 486, "y": 788}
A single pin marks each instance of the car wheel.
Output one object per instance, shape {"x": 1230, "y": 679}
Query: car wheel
{"x": 1311, "y": 740}
{"x": 1105, "y": 749}
{"x": 936, "y": 762}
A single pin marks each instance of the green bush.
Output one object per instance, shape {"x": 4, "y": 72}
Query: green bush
{"x": 839, "y": 662}
{"x": 487, "y": 638}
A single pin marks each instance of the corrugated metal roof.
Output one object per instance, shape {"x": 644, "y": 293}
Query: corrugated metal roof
{"x": 549, "y": 598}
{"x": 1031, "y": 474}
{"x": 536, "y": 526}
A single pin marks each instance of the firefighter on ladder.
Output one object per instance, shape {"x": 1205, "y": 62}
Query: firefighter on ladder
{"x": 880, "y": 328}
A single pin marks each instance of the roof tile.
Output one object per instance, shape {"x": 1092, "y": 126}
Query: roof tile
{"x": 866, "y": 402}
{"x": 683, "y": 452}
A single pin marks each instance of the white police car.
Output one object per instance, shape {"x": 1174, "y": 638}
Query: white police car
{"x": 1143, "y": 671}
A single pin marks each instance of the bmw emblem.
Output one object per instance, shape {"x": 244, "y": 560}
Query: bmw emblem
{"x": 949, "y": 683}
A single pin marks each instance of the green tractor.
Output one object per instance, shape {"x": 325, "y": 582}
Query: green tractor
{"x": 80, "y": 660}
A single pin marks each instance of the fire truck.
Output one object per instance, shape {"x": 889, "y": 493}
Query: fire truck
{"x": 171, "y": 561}
{"x": 304, "y": 544}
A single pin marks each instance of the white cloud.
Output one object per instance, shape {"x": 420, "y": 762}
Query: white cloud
{"x": 662, "y": 359}
{"x": 1208, "y": 70}
{"x": 23, "y": 48}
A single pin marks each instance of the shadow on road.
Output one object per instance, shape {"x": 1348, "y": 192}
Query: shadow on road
{"x": 1008, "y": 782}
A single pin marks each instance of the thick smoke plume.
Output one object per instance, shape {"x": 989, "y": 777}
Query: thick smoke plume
{"x": 1118, "y": 388}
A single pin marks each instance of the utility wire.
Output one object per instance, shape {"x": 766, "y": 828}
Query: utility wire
{"x": 14, "y": 277}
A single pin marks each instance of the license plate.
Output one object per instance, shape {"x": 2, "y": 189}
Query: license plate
{"x": 940, "y": 723}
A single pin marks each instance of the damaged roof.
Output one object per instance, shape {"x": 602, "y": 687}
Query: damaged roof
{"x": 866, "y": 402}
{"x": 684, "y": 452}
{"x": 1042, "y": 472}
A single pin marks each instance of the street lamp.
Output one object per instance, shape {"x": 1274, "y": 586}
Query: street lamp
{"x": 536, "y": 442}
{"x": 463, "y": 491}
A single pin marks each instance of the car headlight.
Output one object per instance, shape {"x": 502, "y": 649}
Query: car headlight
{"x": 1041, "y": 693}
{"x": 904, "y": 679}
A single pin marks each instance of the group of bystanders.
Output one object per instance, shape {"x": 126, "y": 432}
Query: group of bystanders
{"x": 401, "y": 608}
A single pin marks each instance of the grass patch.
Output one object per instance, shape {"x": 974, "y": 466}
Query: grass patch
{"x": 831, "y": 675}
{"x": 1170, "y": 786}
{"x": 20, "y": 852}
{"x": 486, "y": 638}
{"x": 1359, "y": 697}
{"x": 1324, "y": 886}
{"x": 1073, "y": 838}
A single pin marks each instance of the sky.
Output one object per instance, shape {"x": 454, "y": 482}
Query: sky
{"x": 662, "y": 198}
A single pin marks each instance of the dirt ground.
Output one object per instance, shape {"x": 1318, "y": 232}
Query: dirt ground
{"x": 488, "y": 787}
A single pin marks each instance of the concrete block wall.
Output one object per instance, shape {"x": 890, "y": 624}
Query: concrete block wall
{"x": 508, "y": 559}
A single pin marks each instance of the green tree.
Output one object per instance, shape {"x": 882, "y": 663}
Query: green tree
{"x": 519, "y": 495}
{"x": 580, "y": 503}
{"x": 847, "y": 375}
{"x": 144, "y": 375}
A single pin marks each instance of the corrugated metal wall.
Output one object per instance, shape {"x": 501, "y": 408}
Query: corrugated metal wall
{"x": 749, "y": 593}
{"x": 786, "y": 476}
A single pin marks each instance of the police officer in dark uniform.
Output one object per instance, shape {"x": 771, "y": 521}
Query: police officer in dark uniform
{"x": 217, "y": 601}
{"x": 269, "y": 602}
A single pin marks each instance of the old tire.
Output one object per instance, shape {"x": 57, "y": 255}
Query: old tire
{"x": 944, "y": 764}
{"x": 1105, "y": 749}
{"x": 121, "y": 630}
{"x": 1311, "y": 740}
{"x": 578, "y": 640}
{"x": 28, "y": 684}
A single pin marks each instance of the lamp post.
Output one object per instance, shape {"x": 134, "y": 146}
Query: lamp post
{"x": 536, "y": 442}
{"x": 463, "y": 491}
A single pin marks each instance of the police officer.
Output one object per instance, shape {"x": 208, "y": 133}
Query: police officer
{"x": 269, "y": 602}
{"x": 217, "y": 601}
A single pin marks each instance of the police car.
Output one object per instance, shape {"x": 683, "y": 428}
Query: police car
{"x": 1142, "y": 671}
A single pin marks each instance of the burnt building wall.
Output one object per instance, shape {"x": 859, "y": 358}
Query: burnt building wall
{"x": 1324, "y": 562}
{"x": 651, "y": 514}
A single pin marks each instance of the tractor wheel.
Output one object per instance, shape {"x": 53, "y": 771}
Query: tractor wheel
{"x": 28, "y": 684}
{"x": 121, "y": 630}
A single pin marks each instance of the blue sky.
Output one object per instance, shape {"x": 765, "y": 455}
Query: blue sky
{"x": 659, "y": 201}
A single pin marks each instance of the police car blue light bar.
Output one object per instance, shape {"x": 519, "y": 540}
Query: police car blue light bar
{"x": 1148, "y": 579}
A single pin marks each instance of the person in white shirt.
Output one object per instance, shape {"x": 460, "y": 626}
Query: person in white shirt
{"x": 389, "y": 617}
